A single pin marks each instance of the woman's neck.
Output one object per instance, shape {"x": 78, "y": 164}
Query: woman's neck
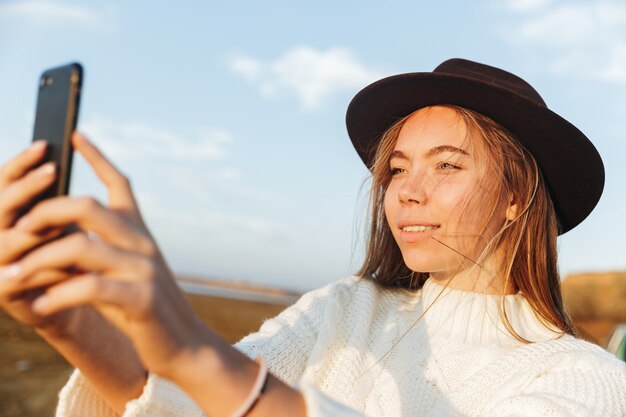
{"x": 486, "y": 278}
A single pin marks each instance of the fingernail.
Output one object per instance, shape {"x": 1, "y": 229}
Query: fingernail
{"x": 23, "y": 222}
{"x": 80, "y": 137}
{"x": 40, "y": 304}
{"x": 38, "y": 145}
{"x": 46, "y": 169}
{"x": 10, "y": 271}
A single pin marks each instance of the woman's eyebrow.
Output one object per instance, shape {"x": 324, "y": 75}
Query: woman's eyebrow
{"x": 398, "y": 154}
{"x": 445, "y": 148}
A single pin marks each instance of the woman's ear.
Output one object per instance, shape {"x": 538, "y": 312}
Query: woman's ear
{"x": 511, "y": 209}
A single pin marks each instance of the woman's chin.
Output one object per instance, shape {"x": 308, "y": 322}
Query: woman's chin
{"x": 420, "y": 265}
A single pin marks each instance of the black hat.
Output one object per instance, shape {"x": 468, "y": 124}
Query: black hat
{"x": 568, "y": 161}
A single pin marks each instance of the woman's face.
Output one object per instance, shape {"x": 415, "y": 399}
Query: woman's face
{"x": 439, "y": 202}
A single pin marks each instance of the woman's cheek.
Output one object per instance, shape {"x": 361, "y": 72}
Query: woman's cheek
{"x": 388, "y": 203}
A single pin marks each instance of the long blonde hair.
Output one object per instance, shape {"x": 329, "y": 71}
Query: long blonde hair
{"x": 528, "y": 243}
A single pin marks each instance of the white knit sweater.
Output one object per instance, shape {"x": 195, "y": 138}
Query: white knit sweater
{"x": 355, "y": 349}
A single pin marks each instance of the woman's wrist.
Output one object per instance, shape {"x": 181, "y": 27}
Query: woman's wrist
{"x": 65, "y": 325}
{"x": 221, "y": 380}
{"x": 216, "y": 375}
{"x": 205, "y": 357}
{"x": 103, "y": 354}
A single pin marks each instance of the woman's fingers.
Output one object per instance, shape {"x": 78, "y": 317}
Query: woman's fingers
{"x": 90, "y": 288}
{"x": 75, "y": 252}
{"x": 15, "y": 242}
{"x": 22, "y": 163}
{"x": 88, "y": 214}
{"x": 13, "y": 291}
{"x": 18, "y": 194}
{"x": 120, "y": 194}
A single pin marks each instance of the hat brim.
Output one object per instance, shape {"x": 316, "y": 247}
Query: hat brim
{"x": 570, "y": 164}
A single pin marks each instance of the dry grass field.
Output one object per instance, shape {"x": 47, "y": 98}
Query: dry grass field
{"x": 31, "y": 373}
{"x": 596, "y": 302}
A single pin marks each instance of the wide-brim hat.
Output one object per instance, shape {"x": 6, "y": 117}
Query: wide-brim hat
{"x": 570, "y": 164}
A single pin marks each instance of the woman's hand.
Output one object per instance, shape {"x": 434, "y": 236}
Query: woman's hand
{"x": 19, "y": 185}
{"x": 81, "y": 334}
{"x": 112, "y": 264}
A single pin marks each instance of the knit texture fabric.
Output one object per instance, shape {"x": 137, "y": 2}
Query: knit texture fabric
{"x": 356, "y": 349}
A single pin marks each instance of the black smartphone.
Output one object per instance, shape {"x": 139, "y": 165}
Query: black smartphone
{"x": 55, "y": 120}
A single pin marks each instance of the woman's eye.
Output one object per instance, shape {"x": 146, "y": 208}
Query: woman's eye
{"x": 448, "y": 166}
{"x": 396, "y": 171}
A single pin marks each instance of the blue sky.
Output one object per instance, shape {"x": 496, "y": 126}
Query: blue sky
{"x": 229, "y": 116}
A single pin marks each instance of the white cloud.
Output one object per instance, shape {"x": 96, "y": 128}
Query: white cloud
{"x": 562, "y": 26}
{"x": 48, "y": 13}
{"x": 250, "y": 68}
{"x": 582, "y": 38}
{"x": 139, "y": 141}
{"x": 215, "y": 224}
{"x": 163, "y": 166}
{"x": 526, "y": 5}
{"x": 312, "y": 75}
{"x": 615, "y": 70}
{"x": 197, "y": 167}
{"x": 573, "y": 24}
{"x": 210, "y": 185}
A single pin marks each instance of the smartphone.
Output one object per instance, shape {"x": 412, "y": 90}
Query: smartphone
{"x": 55, "y": 121}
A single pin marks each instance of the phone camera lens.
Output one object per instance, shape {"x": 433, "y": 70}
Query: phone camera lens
{"x": 45, "y": 81}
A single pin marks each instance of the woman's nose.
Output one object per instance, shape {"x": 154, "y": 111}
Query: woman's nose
{"x": 413, "y": 190}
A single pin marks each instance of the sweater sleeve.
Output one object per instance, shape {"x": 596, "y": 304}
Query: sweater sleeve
{"x": 580, "y": 384}
{"x": 320, "y": 405}
{"x": 79, "y": 398}
{"x": 284, "y": 341}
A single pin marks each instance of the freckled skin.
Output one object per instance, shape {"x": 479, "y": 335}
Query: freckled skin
{"x": 435, "y": 185}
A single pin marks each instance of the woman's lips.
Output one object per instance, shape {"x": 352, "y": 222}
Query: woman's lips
{"x": 412, "y": 233}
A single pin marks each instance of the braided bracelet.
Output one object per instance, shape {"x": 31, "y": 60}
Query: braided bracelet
{"x": 255, "y": 393}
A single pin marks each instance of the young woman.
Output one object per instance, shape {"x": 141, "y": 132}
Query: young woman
{"x": 455, "y": 311}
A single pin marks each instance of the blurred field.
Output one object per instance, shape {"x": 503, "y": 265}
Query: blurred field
{"x": 31, "y": 373}
{"x": 597, "y": 303}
